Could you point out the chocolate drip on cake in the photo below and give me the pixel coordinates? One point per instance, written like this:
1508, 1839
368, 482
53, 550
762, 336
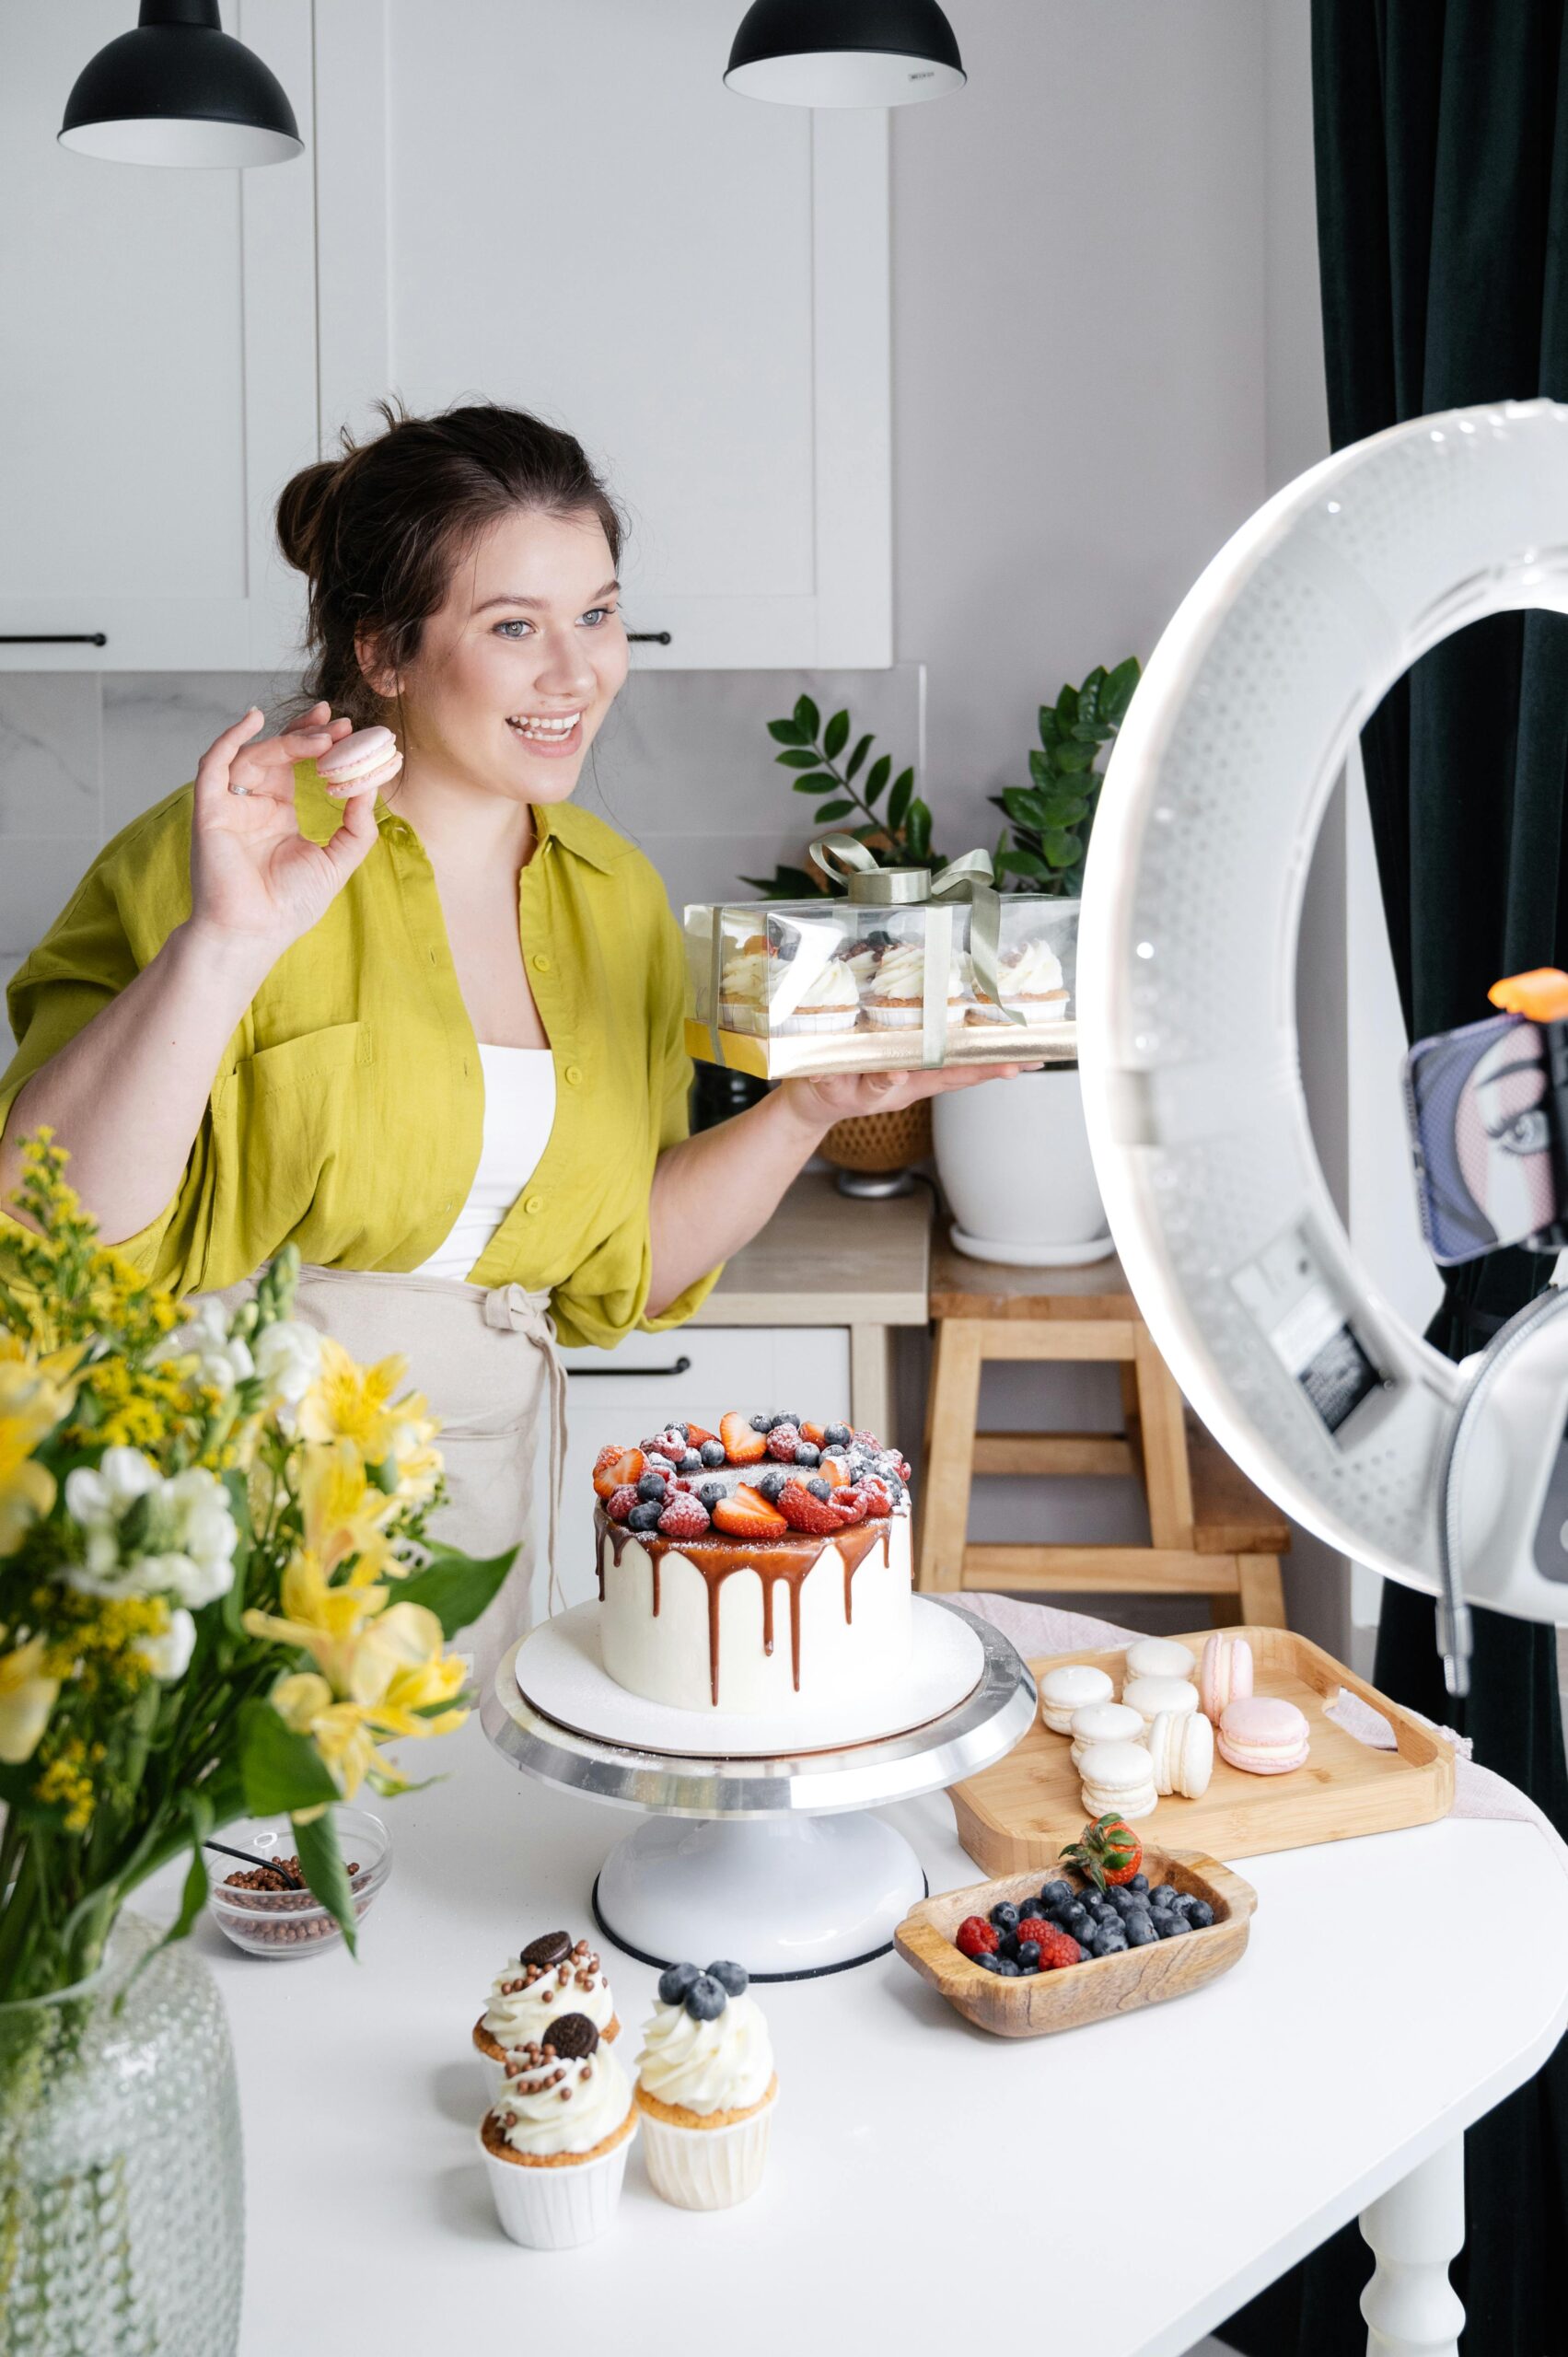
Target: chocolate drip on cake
787, 1560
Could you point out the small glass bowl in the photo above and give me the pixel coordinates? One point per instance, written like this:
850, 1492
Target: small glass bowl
291, 1923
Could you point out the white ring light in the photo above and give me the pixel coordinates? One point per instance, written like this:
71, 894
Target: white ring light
1187, 964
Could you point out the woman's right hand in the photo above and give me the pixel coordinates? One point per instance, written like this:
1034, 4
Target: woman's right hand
258, 883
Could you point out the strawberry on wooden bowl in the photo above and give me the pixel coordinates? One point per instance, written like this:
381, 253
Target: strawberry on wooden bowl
1083, 1975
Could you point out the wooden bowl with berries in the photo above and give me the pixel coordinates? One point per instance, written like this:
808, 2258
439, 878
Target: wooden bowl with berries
1115, 1927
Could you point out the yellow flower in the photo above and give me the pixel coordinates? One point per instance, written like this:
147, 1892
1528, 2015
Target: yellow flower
32, 1401
26, 1697
397, 1679
328, 1624
337, 1730
343, 1510
349, 1402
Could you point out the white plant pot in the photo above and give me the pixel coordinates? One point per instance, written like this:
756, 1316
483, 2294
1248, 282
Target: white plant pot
1014, 1157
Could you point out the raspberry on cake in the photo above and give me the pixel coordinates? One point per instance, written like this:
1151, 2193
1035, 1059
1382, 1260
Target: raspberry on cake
691, 1563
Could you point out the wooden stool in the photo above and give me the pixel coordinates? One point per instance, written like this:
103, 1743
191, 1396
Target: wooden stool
1211, 1533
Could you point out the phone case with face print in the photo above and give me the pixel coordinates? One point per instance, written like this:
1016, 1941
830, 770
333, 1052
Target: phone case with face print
1480, 1104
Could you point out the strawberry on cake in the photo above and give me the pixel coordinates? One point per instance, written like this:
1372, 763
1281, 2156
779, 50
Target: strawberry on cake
697, 1534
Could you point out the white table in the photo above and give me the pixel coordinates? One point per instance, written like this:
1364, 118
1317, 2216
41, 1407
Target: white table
925, 2178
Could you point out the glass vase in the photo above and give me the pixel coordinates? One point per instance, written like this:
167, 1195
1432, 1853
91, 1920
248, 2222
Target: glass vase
121, 2209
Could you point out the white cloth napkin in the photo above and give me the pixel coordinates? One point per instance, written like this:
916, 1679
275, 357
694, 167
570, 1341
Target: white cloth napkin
1037, 1629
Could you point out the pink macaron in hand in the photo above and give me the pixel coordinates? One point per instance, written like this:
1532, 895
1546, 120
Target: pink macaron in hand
1263, 1735
1226, 1676
362, 763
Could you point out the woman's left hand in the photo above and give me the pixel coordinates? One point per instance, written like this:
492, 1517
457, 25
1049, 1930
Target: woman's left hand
839, 1096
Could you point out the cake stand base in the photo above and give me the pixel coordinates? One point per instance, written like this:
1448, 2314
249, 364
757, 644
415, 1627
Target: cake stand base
789, 1897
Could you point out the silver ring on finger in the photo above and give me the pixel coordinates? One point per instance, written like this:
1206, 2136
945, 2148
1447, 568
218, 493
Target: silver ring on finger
240, 789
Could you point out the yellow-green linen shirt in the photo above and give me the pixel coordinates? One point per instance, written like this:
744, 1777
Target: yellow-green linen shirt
346, 1113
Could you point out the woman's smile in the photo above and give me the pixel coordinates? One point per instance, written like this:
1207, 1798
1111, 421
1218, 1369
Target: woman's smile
550, 736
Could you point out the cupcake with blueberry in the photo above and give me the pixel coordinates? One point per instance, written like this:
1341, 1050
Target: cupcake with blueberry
555, 2140
551, 1976
895, 996
706, 2089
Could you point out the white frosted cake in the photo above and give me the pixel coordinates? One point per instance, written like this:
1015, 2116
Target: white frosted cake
752, 1569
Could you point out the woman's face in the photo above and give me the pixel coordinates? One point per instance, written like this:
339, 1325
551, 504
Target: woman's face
529, 636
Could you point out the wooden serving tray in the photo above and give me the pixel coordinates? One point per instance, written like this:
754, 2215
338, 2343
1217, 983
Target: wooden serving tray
1101, 1985
1016, 1816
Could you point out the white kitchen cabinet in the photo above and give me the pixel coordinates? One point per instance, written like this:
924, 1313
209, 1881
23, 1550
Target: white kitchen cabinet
697, 1373
556, 203
157, 375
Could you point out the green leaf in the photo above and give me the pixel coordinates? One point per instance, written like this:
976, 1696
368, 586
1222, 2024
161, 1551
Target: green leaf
1069, 757
798, 756
877, 776
323, 1863
1090, 695
820, 782
835, 736
1062, 809
786, 732
784, 884
1020, 862
1039, 768
1060, 850
808, 719
1025, 808
1066, 710
900, 802
1117, 692
455, 1587
853, 765
1049, 730
1092, 732
282, 1772
833, 810
917, 825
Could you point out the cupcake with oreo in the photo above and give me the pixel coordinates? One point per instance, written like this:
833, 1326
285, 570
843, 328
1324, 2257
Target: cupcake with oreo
555, 2140
706, 2089
551, 1976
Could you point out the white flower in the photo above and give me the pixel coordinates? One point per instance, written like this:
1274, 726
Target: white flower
222, 1359
169, 1655
288, 1360
101, 1497
189, 1533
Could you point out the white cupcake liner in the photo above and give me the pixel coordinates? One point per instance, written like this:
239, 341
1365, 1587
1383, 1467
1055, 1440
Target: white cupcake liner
557, 2208
910, 1019
832, 1018
1034, 1010
735, 1018
707, 2168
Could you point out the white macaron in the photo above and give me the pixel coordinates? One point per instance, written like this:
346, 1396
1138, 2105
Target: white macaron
1182, 1753
1070, 1687
1160, 1658
1118, 1780
1104, 1723
1150, 1696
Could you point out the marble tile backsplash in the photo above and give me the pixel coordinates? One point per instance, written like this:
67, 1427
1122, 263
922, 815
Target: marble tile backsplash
683, 765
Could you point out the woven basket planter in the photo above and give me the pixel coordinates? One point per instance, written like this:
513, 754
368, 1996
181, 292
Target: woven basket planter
879, 1141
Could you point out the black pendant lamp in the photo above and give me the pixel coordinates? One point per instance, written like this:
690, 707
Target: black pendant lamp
845, 53
180, 90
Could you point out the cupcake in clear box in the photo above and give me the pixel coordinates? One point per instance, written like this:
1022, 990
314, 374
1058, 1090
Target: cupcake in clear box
895, 995
555, 2141
706, 2089
1030, 979
764, 989
551, 1976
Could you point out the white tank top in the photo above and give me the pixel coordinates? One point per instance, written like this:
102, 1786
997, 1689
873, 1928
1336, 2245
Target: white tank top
520, 1112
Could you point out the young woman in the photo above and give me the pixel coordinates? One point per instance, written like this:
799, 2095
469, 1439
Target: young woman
436, 1039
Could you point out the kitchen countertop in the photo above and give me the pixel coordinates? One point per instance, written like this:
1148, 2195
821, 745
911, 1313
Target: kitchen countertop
827, 1258
925, 2178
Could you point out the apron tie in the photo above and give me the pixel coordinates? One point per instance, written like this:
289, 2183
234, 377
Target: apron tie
515, 1309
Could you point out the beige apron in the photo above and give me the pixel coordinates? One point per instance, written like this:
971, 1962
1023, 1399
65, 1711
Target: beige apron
487, 1362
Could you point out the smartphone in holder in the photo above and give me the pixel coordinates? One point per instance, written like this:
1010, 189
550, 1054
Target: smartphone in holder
1479, 1105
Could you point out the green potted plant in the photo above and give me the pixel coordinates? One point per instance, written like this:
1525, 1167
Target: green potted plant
897, 835
1015, 1163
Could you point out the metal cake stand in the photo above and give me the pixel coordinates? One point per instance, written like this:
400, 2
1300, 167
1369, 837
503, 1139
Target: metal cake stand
775, 1862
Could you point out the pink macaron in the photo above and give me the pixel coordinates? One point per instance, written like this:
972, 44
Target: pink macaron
1226, 1676
369, 759
1263, 1735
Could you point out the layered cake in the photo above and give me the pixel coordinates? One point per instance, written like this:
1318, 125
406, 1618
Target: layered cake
761, 1567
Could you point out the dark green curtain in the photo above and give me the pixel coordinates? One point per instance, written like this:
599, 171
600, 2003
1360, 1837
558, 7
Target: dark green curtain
1442, 151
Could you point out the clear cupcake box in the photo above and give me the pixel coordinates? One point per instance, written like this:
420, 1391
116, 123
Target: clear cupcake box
825, 985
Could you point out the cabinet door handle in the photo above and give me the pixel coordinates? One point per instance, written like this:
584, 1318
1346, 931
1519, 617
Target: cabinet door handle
682, 1367
648, 637
53, 638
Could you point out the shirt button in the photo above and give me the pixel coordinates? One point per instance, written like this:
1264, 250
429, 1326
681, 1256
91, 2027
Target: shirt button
540, 962
533, 1204
574, 1075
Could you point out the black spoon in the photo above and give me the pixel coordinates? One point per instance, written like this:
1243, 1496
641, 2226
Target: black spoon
249, 1858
